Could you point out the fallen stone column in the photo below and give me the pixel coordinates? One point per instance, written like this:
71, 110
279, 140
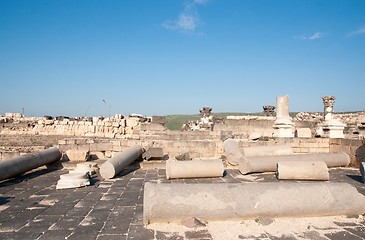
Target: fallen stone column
268, 164
194, 168
273, 150
302, 170
18, 165
223, 202
116, 164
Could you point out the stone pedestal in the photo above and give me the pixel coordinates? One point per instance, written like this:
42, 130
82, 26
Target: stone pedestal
283, 126
332, 128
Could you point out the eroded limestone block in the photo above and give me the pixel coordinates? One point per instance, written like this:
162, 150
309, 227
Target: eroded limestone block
303, 133
153, 153
76, 155
73, 180
88, 168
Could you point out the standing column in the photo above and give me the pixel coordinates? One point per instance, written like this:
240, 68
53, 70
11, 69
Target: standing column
328, 102
331, 127
283, 126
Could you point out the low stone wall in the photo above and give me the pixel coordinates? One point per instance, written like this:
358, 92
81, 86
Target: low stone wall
354, 147
197, 144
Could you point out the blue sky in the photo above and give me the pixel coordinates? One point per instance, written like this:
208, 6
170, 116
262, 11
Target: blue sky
88, 58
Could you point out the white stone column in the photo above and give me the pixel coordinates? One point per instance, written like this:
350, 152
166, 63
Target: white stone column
332, 128
283, 126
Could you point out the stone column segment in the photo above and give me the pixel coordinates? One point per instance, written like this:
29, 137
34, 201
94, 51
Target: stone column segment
273, 150
269, 163
175, 203
21, 164
116, 164
302, 170
194, 168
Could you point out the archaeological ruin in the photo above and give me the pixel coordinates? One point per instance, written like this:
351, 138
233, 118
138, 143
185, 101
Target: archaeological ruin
240, 167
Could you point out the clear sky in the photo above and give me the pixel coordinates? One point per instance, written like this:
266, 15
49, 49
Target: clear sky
159, 57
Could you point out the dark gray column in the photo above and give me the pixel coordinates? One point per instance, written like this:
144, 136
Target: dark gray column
21, 164
177, 202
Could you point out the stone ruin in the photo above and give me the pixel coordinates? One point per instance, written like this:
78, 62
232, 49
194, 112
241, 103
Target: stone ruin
283, 146
205, 123
269, 111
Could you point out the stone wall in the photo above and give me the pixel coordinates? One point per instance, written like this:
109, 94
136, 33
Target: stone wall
197, 144
354, 147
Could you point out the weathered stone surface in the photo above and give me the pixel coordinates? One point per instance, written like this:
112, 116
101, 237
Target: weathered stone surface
76, 155
153, 153
175, 202
19, 165
73, 180
117, 163
269, 163
302, 170
194, 168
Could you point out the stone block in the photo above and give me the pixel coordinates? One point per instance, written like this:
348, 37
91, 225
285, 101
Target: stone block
75, 155
97, 155
303, 133
117, 148
98, 147
153, 153
9, 154
62, 142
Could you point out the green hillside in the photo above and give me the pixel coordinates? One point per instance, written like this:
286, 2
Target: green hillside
175, 122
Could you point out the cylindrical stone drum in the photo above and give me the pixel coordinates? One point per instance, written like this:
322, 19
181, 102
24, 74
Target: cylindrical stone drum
268, 163
302, 170
194, 168
116, 164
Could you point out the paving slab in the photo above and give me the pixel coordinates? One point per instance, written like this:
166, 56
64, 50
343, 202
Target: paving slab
32, 208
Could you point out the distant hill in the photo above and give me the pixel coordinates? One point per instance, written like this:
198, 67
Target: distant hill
175, 122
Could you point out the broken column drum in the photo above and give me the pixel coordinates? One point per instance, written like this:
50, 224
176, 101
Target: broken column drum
224, 202
194, 168
116, 164
302, 170
269, 163
21, 164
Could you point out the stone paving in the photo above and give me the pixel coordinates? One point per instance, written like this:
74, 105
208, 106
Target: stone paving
31, 207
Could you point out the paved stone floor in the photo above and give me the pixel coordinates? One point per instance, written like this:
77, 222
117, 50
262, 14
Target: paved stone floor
31, 208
